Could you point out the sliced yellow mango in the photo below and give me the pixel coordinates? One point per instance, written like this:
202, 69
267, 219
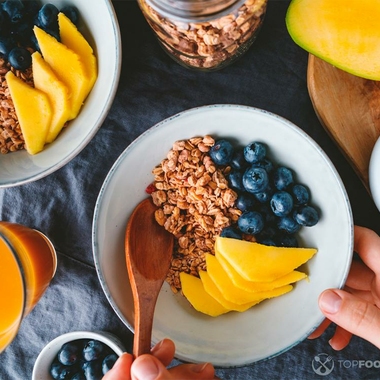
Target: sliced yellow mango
230, 291
252, 286
58, 93
193, 290
214, 292
33, 110
343, 33
68, 67
261, 263
74, 40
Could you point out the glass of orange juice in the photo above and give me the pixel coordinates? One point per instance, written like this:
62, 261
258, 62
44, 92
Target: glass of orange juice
27, 264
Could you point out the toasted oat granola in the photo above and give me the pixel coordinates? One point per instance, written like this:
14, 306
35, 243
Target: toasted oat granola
11, 138
195, 204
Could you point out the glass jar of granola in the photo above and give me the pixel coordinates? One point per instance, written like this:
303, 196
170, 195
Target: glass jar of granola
205, 34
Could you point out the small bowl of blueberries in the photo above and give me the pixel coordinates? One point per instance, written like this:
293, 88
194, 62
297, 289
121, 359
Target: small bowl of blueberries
78, 355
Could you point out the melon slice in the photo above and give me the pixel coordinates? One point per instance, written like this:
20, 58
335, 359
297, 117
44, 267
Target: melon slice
68, 67
46, 81
252, 286
33, 110
258, 262
74, 40
343, 33
214, 292
193, 290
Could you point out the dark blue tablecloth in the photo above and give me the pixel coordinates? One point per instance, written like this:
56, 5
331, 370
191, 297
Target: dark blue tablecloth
272, 76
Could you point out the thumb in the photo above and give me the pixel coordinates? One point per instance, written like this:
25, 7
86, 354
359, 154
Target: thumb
352, 314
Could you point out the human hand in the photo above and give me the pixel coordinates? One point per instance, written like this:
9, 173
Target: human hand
355, 310
153, 367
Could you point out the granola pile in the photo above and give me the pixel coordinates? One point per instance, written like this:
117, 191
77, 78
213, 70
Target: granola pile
195, 204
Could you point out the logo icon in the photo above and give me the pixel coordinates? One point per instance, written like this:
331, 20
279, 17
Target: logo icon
323, 364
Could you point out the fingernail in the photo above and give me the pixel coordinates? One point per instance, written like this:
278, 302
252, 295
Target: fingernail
145, 369
120, 359
157, 346
198, 368
330, 302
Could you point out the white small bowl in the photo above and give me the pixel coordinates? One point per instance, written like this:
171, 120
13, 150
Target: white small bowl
45, 358
374, 174
98, 23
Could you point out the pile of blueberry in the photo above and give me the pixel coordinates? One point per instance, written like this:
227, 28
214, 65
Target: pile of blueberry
82, 359
17, 19
274, 206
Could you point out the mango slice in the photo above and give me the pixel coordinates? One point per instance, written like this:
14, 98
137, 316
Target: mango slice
343, 33
33, 110
258, 262
251, 286
214, 292
46, 81
68, 67
74, 40
193, 290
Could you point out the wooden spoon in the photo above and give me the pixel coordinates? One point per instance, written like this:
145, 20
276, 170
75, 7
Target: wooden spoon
349, 109
148, 249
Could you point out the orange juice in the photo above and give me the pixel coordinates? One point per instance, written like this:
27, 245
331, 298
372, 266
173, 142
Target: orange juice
27, 265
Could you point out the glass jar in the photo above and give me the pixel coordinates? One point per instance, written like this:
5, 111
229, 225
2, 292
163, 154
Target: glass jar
205, 34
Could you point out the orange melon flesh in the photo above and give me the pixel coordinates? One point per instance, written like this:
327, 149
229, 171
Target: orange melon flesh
251, 286
258, 262
68, 67
74, 40
214, 292
193, 290
46, 81
33, 110
343, 33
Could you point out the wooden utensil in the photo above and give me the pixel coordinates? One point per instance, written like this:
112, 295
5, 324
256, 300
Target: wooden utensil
349, 109
148, 249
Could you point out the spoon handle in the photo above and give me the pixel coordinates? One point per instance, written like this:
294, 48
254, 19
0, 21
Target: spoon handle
144, 312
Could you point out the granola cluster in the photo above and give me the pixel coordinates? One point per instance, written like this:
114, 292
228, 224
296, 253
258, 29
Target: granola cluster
11, 138
195, 204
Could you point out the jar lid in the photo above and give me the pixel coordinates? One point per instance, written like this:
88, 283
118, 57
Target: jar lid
194, 10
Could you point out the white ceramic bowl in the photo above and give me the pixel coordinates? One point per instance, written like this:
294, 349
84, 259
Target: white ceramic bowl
233, 339
45, 358
100, 26
374, 174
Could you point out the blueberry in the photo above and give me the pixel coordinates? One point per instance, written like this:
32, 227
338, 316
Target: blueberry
268, 241
58, 371
14, 9
93, 370
93, 350
108, 362
238, 161
267, 213
72, 13
70, 353
255, 179
281, 203
266, 164
287, 240
301, 194
4, 21
231, 232
79, 376
251, 222
264, 196
245, 202
20, 58
255, 152
235, 180
288, 225
306, 216
48, 16
221, 152
7, 43
31, 7
282, 178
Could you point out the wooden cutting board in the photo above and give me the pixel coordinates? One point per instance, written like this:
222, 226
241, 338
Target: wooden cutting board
348, 108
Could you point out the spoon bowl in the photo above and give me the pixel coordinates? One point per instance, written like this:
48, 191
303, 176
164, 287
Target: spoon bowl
148, 251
